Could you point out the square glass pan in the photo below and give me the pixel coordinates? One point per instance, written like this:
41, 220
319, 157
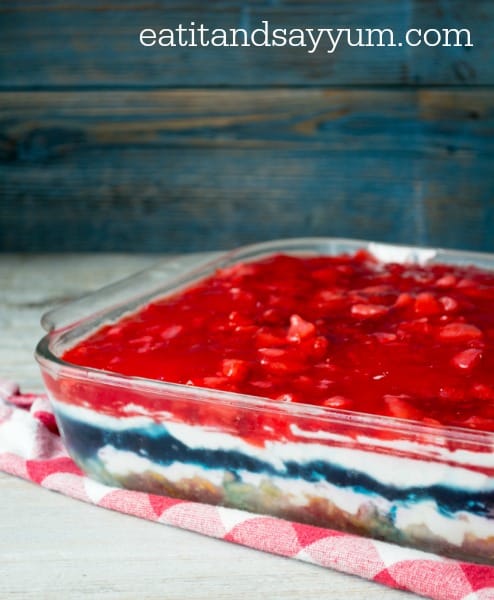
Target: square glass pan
402, 481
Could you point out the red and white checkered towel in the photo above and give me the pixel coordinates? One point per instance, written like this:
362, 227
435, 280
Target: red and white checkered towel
31, 448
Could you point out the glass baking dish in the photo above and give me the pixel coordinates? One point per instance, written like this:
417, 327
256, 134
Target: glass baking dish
403, 481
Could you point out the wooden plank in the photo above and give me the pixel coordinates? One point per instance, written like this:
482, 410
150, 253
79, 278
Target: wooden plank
39, 126
204, 170
236, 198
200, 170
453, 65
92, 44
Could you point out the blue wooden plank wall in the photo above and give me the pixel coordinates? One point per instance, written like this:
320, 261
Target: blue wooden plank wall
107, 145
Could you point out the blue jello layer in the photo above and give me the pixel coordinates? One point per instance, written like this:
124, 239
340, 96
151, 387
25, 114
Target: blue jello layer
155, 443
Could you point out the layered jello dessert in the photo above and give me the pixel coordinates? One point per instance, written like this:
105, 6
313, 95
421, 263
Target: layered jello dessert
340, 384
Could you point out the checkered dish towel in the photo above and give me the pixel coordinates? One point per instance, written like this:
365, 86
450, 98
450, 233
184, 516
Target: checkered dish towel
31, 448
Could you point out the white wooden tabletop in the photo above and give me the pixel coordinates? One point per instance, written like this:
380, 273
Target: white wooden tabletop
55, 547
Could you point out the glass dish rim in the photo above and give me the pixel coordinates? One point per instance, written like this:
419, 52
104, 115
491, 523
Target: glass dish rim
49, 361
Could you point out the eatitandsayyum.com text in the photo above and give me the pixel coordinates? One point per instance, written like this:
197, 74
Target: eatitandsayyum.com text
312, 39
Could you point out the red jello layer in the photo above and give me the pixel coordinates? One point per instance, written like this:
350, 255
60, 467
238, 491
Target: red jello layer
402, 340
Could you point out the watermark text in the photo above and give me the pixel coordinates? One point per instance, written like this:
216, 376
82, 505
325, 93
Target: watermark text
198, 35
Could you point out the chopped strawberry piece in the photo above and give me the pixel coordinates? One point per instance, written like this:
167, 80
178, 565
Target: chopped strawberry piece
377, 290
325, 384
115, 330
483, 391
327, 275
364, 255
450, 392
326, 369
466, 283
140, 341
245, 329
344, 269
244, 299
215, 382
399, 406
272, 316
417, 326
266, 338
237, 318
318, 347
171, 332
300, 329
330, 296
459, 332
330, 300
432, 422
449, 304
235, 369
236, 271
338, 402
262, 384
384, 337
480, 423
426, 304
405, 299
446, 281
272, 352
479, 291
313, 349
366, 311
281, 367
466, 360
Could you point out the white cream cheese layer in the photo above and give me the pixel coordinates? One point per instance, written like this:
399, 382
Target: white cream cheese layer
123, 463
453, 530
385, 468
